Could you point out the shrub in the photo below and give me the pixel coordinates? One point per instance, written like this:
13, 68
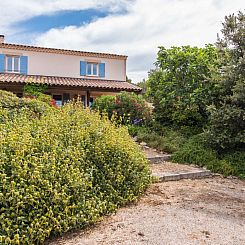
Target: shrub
63, 171
127, 108
34, 89
12, 103
227, 120
181, 85
226, 129
195, 151
167, 139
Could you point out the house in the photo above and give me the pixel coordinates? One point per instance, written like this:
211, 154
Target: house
68, 73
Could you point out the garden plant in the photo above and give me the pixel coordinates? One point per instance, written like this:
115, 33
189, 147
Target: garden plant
62, 168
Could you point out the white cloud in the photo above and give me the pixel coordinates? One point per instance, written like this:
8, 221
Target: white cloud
12, 11
138, 32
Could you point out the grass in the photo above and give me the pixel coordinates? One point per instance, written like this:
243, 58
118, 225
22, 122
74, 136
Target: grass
167, 140
188, 146
195, 151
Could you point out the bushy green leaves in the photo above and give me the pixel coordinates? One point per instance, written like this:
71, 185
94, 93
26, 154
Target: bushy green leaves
12, 103
127, 108
196, 151
227, 120
63, 170
180, 86
34, 89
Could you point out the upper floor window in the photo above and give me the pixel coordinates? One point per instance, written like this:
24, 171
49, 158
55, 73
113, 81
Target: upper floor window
13, 63
92, 69
95, 69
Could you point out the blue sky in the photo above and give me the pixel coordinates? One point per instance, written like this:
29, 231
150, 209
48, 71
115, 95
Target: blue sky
132, 27
60, 19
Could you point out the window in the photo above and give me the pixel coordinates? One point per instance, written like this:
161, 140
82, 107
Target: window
58, 99
91, 101
92, 69
13, 63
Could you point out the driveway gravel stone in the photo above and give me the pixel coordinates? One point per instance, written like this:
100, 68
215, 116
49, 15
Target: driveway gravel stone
203, 211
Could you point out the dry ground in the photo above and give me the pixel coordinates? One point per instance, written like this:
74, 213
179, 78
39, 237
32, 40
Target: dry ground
203, 211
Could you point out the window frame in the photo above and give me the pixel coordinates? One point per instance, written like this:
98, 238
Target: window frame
12, 57
92, 69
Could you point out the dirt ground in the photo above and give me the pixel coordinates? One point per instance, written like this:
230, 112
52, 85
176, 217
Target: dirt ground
203, 211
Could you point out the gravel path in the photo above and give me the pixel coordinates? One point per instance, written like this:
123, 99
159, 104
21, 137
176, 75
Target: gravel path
204, 211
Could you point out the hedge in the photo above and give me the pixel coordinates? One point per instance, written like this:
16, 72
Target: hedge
126, 108
63, 170
12, 103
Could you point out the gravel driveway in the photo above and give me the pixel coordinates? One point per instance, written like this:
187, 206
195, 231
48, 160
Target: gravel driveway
203, 211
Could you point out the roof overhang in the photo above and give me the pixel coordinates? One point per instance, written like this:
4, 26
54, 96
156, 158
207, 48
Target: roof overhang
68, 82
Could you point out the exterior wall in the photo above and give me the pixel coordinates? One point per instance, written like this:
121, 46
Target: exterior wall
50, 64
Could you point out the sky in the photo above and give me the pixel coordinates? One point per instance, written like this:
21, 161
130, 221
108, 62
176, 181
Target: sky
135, 28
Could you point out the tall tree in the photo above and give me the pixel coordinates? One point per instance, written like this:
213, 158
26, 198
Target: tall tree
180, 86
227, 120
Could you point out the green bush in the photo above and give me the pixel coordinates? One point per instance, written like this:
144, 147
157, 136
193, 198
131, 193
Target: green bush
34, 89
227, 118
64, 170
12, 103
195, 151
237, 162
126, 108
167, 140
226, 128
181, 86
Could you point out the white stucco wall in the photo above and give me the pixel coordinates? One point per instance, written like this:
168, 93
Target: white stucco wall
50, 64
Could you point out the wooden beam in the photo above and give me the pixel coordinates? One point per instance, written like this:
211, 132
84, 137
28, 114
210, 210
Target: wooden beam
87, 98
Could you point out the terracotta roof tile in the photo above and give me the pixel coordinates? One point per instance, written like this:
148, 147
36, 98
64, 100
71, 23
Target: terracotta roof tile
61, 51
68, 81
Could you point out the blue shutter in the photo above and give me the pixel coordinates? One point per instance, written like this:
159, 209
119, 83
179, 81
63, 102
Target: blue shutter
102, 69
83, 65
9, 63
23, 64
2, 62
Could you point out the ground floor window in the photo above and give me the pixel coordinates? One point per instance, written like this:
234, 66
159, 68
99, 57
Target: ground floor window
82, 98
58, 99
66, 97
61, 99
91, 100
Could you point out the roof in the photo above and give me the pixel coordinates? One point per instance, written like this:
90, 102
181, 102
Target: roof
61, 51
71, 82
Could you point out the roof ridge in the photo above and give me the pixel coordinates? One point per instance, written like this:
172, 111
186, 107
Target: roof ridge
62, 51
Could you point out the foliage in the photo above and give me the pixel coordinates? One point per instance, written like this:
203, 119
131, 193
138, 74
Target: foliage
195, 151
180, 86
127, 108
63, 171
167, 140
105, 103
144, 85
12, 103
227, 120
34, 89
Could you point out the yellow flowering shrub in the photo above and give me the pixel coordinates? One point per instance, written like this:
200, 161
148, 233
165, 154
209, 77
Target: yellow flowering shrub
63, 170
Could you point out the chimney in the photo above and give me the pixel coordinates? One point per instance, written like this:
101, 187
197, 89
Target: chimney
1, 39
